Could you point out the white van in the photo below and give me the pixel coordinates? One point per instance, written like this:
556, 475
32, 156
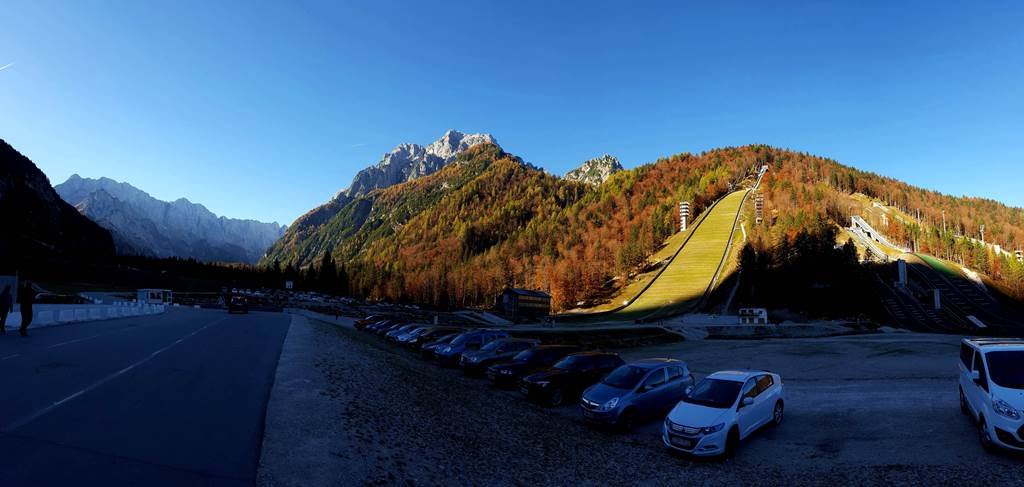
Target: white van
992, 389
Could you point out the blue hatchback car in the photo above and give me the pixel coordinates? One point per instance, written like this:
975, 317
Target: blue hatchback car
636, 391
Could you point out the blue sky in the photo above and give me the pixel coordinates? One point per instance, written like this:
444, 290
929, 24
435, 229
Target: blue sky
265, 110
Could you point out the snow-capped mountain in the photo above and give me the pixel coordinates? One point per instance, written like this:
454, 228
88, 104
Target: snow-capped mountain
595, 171
141, 224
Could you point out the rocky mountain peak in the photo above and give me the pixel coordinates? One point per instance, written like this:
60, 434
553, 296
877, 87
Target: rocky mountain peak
595, 171
410, 161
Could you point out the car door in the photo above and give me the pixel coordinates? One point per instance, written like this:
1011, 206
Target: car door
965, 367
677, 383
979, 391
746, 416
649, 390
765, 400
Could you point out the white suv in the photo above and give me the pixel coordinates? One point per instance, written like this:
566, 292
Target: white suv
992, 389
723, 409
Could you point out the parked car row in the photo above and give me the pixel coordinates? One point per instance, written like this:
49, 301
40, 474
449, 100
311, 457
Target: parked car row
708, 418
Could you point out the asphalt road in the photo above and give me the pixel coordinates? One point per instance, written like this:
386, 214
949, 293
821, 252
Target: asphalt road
173, 399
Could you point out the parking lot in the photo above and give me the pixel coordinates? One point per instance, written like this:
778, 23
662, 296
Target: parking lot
876, 409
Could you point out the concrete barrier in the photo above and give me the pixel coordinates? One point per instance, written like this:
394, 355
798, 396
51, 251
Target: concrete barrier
51, 315
43, 318
13, 320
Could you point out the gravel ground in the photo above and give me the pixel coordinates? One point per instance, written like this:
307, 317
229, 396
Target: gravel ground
348, 408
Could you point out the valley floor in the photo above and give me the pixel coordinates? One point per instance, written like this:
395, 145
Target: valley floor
880, 409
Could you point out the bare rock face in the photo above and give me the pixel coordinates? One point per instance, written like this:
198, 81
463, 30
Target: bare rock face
141, 224
595, 171
404, 163
411, 161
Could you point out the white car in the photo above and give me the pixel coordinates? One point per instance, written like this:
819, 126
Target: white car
992, 389
723, 409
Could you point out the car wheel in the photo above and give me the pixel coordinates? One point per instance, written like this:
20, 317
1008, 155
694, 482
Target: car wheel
963, 404
555, 399
627, 420
778, 413
985, 437
732, 442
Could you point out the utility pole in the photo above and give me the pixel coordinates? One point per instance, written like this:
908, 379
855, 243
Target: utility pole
943, 222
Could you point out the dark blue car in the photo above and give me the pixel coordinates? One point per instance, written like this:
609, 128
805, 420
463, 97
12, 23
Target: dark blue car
449, 355
636, 391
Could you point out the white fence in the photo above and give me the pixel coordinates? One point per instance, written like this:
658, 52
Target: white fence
59, 314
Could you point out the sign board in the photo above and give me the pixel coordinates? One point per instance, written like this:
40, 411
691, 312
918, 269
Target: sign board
289, 284
759, 208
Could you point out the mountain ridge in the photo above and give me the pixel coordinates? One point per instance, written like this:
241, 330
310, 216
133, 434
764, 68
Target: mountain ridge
144, 225
39, 227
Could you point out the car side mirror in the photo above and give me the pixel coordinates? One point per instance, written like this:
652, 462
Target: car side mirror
747, 401
975, 376
689, 389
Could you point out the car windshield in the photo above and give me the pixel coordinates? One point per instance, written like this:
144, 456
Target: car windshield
446, 338
571, 362
492, 346
525, 356
1006, 368
714, 393
625, 377
462, 339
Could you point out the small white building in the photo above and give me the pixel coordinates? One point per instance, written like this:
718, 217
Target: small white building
753, 316
155, 296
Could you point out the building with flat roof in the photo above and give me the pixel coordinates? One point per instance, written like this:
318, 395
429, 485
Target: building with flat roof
523, 304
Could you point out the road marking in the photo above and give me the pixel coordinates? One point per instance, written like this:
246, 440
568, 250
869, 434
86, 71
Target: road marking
28, 419
69, 342
10, 356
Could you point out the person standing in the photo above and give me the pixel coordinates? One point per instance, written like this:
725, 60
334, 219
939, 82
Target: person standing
6, 306
27, 297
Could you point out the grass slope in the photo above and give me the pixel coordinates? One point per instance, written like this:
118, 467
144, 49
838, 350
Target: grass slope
688, 276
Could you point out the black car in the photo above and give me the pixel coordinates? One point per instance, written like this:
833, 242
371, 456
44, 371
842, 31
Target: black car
385, 329
238, 304
567, 379
393, 334
502, 350
366, 322
373, 327
507, 374
427, 350
429, 336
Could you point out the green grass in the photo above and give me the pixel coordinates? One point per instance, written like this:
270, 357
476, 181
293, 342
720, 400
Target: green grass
688, 276
939, 265
639, 282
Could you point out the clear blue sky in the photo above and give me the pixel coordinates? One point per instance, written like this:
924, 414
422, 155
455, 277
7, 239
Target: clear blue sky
266, 110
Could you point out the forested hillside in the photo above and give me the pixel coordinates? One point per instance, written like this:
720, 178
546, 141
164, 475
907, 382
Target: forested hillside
456, 237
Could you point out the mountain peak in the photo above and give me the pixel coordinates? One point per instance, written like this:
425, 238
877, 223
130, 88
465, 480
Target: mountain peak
143, 224
595, 171
409, 161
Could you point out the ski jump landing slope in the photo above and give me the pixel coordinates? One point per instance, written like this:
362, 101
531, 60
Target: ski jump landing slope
693, 270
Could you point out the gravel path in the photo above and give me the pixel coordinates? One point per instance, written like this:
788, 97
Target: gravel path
349, 409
